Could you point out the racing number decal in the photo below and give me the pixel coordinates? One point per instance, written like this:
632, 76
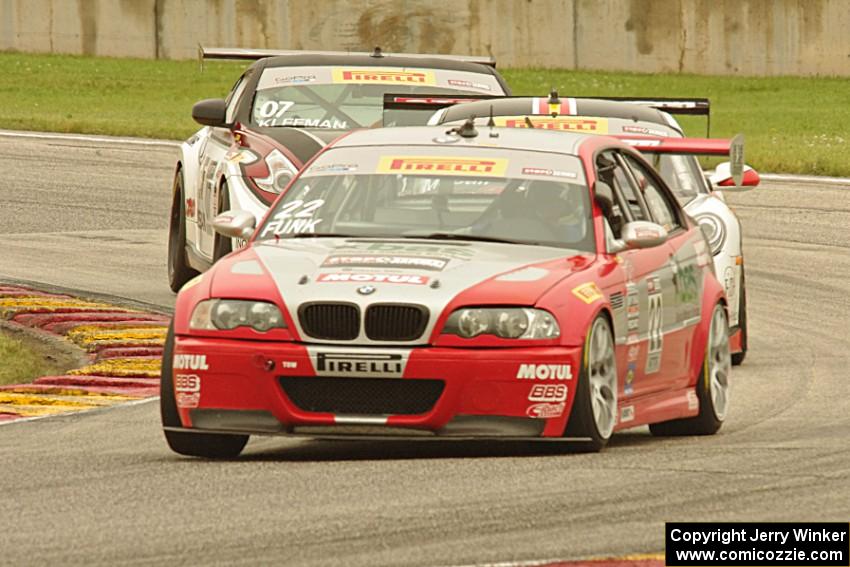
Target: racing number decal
271, 111
288, 221
656, 324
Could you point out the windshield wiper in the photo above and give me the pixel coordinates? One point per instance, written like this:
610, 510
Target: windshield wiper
471, 237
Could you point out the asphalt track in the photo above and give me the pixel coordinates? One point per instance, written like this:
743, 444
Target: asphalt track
102, 488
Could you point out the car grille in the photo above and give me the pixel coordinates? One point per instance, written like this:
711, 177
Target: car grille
330, 321
383, 321
387, 322
363, 396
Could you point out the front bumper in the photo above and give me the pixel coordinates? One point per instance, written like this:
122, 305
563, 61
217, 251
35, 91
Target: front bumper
231, 386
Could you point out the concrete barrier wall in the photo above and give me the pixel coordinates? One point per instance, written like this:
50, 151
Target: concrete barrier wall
750, 37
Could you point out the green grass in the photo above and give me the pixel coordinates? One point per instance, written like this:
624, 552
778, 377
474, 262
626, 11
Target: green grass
22, 360
791, 124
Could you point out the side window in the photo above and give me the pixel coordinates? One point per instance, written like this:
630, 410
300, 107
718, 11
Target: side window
233, 98
612, 171
663, 211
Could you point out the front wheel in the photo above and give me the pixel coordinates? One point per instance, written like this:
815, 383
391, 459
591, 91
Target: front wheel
179, 271
594, 412
712, 386
209, 445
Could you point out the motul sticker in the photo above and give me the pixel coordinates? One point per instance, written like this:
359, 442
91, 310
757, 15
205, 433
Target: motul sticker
544, 372
548, 393
545, 411
430, 165
373, 278
383, 76
588, 292
190, 362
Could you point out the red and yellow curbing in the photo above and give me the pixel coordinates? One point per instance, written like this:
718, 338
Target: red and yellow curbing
124, 348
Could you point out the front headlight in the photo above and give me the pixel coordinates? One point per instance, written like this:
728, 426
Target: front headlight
504, 322
714, 229
228, 314
281, 172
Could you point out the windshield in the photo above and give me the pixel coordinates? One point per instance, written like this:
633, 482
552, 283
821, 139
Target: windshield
469, 194
343, 98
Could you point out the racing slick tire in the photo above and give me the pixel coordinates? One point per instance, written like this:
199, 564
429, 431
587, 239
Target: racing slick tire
712, 386
223, 245
210, 445
594, 412
738, 357
179, 271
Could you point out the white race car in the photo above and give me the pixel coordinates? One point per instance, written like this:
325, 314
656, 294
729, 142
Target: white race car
631, 119
282, 111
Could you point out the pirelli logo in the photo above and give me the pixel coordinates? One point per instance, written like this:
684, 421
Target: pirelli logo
564, 123
383, 76
428, 165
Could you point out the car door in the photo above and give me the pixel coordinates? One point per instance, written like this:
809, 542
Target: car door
687, 258
647, 292
211, 156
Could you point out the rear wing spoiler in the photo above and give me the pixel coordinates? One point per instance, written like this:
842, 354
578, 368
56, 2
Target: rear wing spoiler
681, 106
734, 148
425, 103
246, 54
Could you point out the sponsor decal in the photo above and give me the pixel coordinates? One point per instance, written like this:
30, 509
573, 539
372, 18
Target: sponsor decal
190, 208
348, 363
647, 233
629, 387
187, 390
633, 353
548, 393
295, 79
545, 410
334, 168
190, 362
452, 252
298, 122
289, 364
588, 292
693, 401
372, 260
468, 85
373, 278
569, 124
642, 143
630, 129
544, 372
632, 338
548, 172
627, 414
729, 282
656, 324
429, 165
685, 281
383, 76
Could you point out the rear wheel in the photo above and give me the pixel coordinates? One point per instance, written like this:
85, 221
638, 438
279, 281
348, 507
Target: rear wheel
712, 387
223, 244
179, 271
210, 445
594, 412
738, 357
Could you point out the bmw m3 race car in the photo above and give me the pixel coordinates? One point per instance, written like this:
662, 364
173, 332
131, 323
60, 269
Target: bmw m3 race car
476, 283
283, 109
633, 118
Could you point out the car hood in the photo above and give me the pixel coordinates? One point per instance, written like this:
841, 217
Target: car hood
435, 274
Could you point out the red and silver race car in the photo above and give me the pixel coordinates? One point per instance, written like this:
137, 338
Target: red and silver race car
282, 110
470, 283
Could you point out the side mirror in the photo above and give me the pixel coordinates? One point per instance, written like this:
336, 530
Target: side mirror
235, 224
210, 112
643, 234
722, 177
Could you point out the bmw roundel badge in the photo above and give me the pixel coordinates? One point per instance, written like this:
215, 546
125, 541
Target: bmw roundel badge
366, 289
